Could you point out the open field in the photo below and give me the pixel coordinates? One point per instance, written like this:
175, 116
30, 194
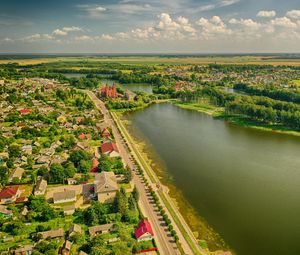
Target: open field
244, 60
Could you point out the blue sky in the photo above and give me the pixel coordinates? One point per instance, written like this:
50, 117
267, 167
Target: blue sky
125, 26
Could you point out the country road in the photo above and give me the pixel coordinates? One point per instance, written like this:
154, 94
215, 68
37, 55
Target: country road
164, 241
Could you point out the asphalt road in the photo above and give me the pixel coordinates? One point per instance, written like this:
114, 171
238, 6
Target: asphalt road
164, 241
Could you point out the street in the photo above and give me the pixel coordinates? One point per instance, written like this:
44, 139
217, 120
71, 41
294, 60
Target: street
164, 241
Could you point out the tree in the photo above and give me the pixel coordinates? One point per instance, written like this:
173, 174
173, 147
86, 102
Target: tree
3, 175
84, 166
122, 202
70, 169
127, 175
77, 156
57, 173
43, 210
14, 151
136, 194
42, 171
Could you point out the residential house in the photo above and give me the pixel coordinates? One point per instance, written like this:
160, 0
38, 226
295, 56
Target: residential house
84, 145
4, 212
52, 233
105, 133
75, 228
9, 194
110, 149
27, 149
24, 211
69, 209
40, 187
106, 186
66, 248
64, 196
16, 174
95, 164
102, 229
71, 181
144, 231
24, 250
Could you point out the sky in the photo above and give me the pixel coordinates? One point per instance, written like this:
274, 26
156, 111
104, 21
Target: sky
149, 26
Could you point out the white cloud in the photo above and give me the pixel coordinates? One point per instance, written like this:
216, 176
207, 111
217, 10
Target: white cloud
283, 22
213, 26
7, 40
294, 14
107, 37
37, 37
228, 2
248, 23
72, 29
266, 14
124, 7
84, 38
59, 32
65, 30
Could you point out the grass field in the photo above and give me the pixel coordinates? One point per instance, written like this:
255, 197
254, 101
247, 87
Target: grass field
154, 60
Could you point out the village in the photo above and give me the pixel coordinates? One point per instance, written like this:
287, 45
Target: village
64, 185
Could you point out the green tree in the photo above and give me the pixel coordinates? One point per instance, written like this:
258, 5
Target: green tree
14, 151
57, 173
70, 169
84, 166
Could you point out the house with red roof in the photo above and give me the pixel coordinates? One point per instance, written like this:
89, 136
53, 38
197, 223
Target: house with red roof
24, 111
144, 231
85, 136
9, 194
95, 164
110, 149
105, 133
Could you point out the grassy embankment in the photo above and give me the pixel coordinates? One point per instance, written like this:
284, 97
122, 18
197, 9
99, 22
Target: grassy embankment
219, 112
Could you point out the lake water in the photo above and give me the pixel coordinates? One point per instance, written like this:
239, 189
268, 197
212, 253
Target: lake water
244, 182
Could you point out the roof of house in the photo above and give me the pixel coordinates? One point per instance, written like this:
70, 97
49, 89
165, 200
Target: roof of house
75, 228
17, 173
105, 182
41, 185
67, 245
143, 227
104, 227
64, 195
8, 192
109, 147
4, 210
52, 233
95, 164
24, 110
69, 208
105, 132
24, 248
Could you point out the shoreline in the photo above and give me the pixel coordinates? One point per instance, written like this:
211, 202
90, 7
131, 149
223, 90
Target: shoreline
218, 112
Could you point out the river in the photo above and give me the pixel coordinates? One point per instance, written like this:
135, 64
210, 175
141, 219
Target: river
244, 182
